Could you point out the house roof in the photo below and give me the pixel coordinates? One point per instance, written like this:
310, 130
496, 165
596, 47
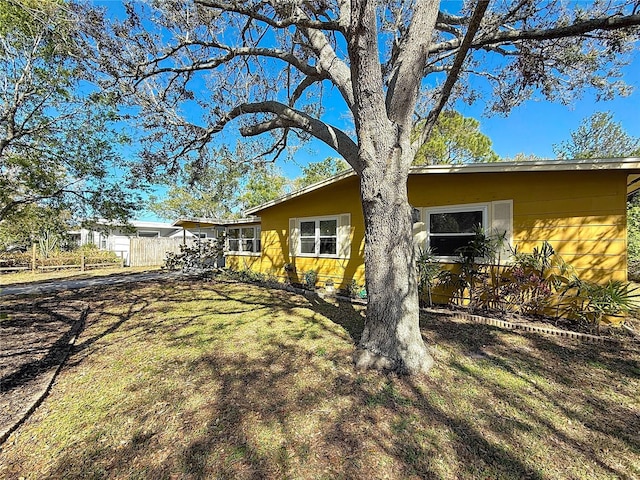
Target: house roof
631, 164
146, 224
134, 223
195, 222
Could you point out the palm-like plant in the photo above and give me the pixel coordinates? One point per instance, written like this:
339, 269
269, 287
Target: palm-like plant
593, 303
428, 271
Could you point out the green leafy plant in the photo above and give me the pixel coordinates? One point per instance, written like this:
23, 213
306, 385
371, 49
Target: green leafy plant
48, 243
477, 263
428, 272
524, 291
633, 239
352, 288
290, 270
592, 302
310, 279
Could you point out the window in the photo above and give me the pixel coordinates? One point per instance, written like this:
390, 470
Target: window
103, 241
243, 239
148, 234
328, 237
450, 228
319, 236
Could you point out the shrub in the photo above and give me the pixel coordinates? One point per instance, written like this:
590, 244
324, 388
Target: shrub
476, 274
352, 289
633, 229
428, 271
202, 254
8, 260
524, 291
634, 270
533, 282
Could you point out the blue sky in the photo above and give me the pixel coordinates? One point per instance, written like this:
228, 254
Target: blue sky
536, 125
532, 128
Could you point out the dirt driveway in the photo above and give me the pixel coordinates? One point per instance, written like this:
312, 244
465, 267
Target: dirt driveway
35, 337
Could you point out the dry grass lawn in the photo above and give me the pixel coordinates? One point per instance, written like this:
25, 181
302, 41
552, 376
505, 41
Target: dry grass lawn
28, 277
179, 380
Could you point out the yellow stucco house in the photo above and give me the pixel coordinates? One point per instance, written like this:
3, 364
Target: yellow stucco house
577, 206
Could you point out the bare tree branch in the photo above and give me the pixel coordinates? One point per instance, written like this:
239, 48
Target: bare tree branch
454, 72
290, 118
514, 36
580, 28
297, 18
448, 19
407, 70
232, 53
302, 86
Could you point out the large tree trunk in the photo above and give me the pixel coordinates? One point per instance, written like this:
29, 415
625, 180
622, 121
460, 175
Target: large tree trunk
391, 339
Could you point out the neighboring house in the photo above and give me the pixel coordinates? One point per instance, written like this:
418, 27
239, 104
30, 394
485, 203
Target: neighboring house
578, 206
117, 238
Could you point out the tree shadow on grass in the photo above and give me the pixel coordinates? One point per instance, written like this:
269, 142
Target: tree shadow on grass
592, 385
292, 406
35, 338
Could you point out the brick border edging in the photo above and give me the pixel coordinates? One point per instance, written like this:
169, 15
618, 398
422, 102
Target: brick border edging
53, 373
586, 337
494, 322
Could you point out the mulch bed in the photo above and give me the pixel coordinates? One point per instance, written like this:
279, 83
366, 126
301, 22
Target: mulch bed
35, 336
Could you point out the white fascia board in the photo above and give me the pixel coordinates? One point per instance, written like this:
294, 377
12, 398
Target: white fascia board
631, 163
210, 222
213, 222
145, 224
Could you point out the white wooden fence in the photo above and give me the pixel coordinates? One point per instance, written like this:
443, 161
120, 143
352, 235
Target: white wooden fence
147, 252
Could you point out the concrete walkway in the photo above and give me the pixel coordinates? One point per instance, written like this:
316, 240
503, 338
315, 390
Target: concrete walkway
62, 284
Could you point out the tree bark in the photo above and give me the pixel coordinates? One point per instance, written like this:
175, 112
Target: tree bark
391, 339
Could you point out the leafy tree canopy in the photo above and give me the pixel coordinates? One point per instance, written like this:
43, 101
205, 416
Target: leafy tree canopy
598, 136
523, 157
263, 184
33, 223
220, 189
454, 139
209, 191
315, 172
56, 137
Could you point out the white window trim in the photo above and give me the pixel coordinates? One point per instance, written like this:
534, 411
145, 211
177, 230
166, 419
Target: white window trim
487, 209
317, 220
257, 231
103, 241
344, 232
